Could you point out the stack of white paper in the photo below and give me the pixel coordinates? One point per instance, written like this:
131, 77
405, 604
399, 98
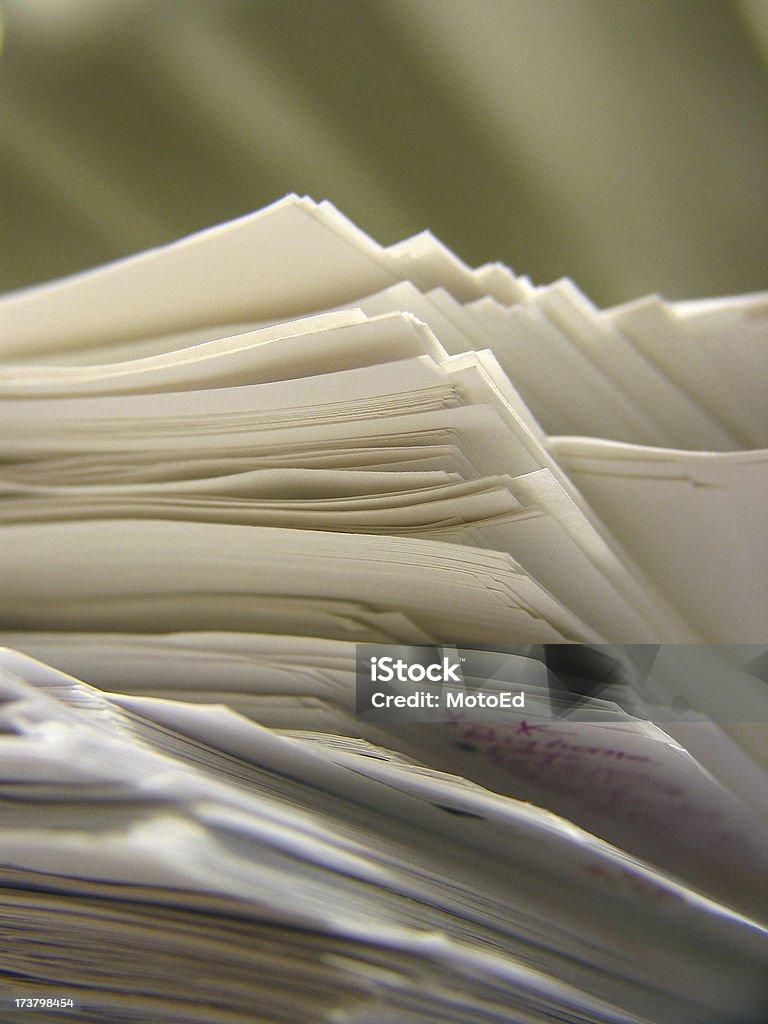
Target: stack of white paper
197, 871
229, 462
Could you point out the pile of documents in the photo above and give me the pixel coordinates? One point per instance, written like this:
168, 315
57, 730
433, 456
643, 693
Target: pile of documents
230, 463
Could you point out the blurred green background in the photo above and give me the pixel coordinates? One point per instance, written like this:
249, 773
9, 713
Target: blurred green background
621, 142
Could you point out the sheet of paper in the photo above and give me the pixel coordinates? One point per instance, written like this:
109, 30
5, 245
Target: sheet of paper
701, 528
134, 561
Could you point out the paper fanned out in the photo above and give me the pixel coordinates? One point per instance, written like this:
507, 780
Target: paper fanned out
226, 464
